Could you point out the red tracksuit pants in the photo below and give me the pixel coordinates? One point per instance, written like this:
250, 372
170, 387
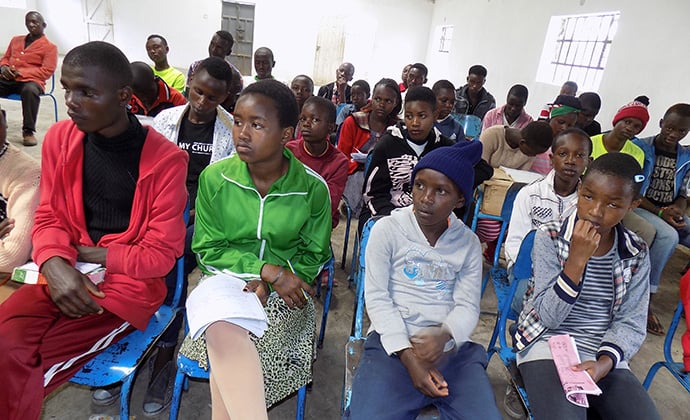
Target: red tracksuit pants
40, 348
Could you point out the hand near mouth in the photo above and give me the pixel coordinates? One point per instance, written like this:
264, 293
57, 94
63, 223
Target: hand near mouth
585, 239
583, 244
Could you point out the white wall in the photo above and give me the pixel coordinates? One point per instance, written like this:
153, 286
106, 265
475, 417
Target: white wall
12, 22
649, 53
66, 25
381, 35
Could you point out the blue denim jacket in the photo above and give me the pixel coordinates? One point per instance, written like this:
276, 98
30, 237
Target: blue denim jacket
680, 185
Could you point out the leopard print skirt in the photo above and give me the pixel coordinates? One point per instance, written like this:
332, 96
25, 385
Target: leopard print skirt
286, 349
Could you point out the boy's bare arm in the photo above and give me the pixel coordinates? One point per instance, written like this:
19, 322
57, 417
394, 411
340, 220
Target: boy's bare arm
69, 289
92, 254
672, 214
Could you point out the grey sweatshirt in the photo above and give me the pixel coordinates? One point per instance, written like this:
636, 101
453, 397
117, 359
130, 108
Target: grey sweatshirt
410, 285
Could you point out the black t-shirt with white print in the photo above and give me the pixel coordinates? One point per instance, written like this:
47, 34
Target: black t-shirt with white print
197, 141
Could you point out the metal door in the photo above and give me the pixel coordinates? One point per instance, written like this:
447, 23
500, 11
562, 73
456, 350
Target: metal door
330, 46
98, 15
238, 19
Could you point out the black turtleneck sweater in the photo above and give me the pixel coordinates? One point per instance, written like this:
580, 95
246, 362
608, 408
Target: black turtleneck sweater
111, 171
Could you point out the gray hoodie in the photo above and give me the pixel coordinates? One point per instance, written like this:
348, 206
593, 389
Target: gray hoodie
410, 285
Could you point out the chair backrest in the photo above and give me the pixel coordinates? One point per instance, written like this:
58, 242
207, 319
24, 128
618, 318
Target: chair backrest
368, 162
668, 341
471, 124
359, 302
507, 208
179, 267
522, 271
52, 85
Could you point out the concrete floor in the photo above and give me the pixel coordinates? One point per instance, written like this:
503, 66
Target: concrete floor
323, 402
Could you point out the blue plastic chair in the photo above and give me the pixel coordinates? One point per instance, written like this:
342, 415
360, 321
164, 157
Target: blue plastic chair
355, 250
120, 361
17, 97
471, 125
187, 368
355, 344
330, 269
674, 367
348, 223
505, 292
496, 271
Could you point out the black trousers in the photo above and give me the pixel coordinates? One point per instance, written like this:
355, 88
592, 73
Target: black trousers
29, 91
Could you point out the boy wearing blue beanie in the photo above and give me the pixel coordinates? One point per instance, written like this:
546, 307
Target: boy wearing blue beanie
424, 305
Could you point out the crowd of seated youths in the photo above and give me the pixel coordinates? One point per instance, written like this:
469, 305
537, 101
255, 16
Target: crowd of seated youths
241, 156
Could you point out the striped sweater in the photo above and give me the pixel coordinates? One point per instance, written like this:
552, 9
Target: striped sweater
551, 294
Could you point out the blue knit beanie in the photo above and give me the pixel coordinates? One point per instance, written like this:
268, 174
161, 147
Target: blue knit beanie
456, 162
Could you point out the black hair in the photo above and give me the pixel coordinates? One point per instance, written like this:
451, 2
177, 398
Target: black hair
309, 79
576, 131
217, 68
282, 97
364, 85
422, 94
442, 84
621, 165
267, 50
143, 76
682, 110
519, 91
325, 105
33, 12
478, 69
106, 57
571, 84
348, 65
165, 41
570, 101
590, 100
393, 85
226, 36
538, 135
642, 98
422, 67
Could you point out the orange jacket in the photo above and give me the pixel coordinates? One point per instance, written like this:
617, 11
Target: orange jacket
36, 63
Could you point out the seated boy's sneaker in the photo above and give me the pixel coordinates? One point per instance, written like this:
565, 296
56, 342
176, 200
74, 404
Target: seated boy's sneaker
159, 392
29, 139
512, 404
105, 396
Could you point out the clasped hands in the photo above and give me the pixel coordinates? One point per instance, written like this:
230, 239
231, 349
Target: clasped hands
288, 285
8, 73
420, 361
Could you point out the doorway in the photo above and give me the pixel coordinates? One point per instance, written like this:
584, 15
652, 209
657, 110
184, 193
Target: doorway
238, 19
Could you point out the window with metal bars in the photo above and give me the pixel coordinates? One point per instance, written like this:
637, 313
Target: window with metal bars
577, 48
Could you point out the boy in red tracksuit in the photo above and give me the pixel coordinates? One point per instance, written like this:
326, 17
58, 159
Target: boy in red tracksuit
112, 192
